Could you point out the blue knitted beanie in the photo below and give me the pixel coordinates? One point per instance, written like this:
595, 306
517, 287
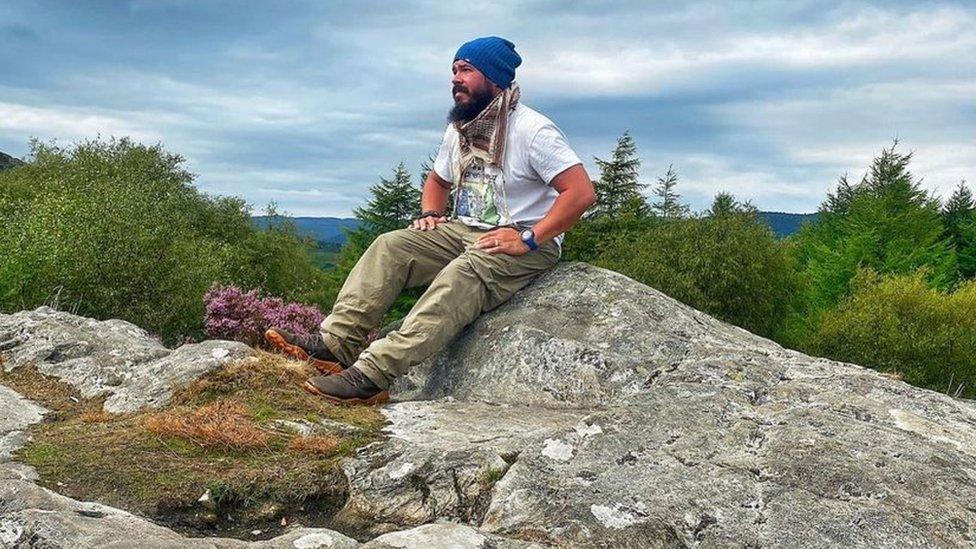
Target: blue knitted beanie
495, 57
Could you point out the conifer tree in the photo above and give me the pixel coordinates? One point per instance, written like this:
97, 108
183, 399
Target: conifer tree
668, 206
887, 222
725, 204
619, 185
393, 204
838, 201
959, 218
958, 209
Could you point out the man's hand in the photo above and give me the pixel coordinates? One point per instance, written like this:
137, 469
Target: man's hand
502, 241
427, 223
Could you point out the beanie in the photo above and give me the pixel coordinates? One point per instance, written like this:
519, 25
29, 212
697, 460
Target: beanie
495, 57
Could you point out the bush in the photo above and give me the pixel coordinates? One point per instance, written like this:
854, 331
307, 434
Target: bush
244, 316
730, 266
114, 229
899, 323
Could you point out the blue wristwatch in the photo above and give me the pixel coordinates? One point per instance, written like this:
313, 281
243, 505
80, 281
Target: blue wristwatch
529, 238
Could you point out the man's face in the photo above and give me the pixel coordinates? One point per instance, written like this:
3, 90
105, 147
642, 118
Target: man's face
471, 90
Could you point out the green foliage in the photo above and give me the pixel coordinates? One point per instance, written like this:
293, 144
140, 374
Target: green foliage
730, 266
618, 189
886, 222
900, 324
116, 229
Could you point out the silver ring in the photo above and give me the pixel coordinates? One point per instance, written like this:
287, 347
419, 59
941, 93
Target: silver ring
496, 242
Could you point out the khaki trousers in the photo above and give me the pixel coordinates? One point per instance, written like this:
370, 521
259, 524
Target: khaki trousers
464, 282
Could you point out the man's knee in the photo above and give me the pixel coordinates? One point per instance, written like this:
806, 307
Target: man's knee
392, 242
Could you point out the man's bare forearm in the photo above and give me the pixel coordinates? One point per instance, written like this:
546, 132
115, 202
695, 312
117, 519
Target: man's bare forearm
434, 195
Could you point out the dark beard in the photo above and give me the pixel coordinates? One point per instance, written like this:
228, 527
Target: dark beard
461, 112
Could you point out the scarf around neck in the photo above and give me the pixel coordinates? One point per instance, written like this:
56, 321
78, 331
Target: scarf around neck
484, 135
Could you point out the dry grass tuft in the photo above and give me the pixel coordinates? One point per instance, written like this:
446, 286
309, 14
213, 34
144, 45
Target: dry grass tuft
49, 391
272, 381
321, 444
94, 415
221, 424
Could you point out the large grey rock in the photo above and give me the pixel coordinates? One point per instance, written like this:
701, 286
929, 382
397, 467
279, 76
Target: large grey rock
112, 357
32, 516
579, 336
675, 429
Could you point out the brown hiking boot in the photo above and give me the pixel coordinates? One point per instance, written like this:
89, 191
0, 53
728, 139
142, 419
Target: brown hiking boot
308, 347
350, 387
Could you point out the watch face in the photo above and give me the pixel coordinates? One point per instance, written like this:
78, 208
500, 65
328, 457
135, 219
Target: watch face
526, 234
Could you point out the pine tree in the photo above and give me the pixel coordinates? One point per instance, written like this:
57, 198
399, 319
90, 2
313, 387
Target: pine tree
669, 207
618, 185
840, 200
958, 209
959, 218
887, 222
725, 205
393, 204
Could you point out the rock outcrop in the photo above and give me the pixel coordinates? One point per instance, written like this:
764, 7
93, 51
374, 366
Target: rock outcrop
113, 358
589, 410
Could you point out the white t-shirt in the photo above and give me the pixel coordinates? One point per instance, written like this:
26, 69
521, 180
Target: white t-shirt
536, 151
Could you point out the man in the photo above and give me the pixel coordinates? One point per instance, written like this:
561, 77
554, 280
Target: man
518, 187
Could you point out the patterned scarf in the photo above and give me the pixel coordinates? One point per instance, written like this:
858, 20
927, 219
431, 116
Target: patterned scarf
484, 135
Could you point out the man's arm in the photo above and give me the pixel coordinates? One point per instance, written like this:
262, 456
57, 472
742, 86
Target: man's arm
576, 194
433, 197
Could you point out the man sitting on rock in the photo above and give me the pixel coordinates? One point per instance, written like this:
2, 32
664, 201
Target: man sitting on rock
518, 187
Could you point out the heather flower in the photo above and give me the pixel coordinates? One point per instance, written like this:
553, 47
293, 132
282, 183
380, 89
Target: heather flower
234, 314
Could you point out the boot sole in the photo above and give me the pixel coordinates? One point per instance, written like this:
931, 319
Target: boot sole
378, 398
294, 351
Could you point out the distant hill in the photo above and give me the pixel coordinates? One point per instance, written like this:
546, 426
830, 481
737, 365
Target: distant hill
327, 230
784, 223
7, 161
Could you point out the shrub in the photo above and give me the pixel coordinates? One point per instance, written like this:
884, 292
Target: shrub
730, 266
900, 324
244, 316
114, 229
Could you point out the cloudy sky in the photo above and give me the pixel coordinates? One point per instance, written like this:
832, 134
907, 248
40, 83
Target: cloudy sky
309, 103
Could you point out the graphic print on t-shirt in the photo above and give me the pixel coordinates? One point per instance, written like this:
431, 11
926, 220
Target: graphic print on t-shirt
477, 193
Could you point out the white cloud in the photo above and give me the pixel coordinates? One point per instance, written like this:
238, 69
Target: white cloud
682, 58
71, 123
